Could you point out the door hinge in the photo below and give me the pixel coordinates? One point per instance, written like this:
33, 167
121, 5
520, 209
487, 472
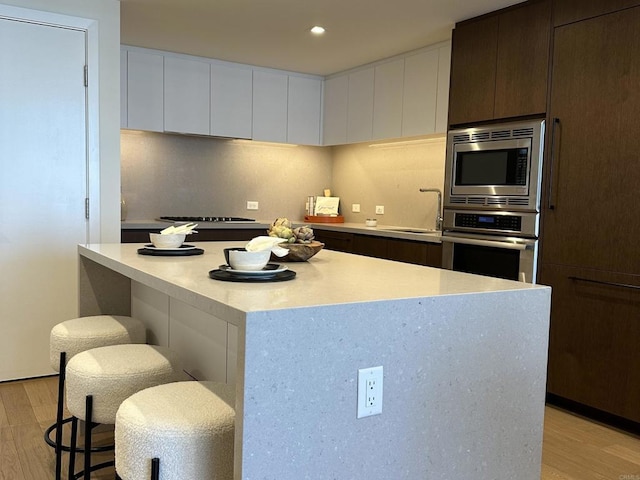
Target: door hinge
86, 75
86, 208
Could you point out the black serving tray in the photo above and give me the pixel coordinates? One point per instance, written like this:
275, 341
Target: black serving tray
188, 251
218, 274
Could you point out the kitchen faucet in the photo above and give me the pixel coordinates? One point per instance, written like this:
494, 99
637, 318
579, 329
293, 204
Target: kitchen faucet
439, 209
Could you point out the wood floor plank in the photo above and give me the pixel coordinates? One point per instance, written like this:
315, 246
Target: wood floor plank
37, 459
16, 403
10, 468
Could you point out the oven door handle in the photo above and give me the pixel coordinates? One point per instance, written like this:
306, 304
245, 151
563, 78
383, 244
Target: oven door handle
486, 243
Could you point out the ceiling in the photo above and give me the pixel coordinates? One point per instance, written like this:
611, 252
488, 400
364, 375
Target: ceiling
275, 33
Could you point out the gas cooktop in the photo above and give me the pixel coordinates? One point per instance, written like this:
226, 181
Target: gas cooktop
206, 219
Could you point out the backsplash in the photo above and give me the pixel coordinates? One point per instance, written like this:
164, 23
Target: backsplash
164, 174
390, 175
176, 175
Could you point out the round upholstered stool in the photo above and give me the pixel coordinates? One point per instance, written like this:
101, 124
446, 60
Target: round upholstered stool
73, 336
179, 430
100, 379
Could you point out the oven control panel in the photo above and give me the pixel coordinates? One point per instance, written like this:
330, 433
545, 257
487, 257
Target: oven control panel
514, 224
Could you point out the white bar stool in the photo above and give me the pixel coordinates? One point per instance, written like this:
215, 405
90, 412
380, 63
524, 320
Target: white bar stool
100, 379
76, 335
181, 430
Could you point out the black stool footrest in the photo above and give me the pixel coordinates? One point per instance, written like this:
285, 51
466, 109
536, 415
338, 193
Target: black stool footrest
66, 448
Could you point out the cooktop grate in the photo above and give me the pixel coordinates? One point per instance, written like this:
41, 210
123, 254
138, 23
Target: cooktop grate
207, 219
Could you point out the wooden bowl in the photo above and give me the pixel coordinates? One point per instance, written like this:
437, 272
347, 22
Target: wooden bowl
298, 252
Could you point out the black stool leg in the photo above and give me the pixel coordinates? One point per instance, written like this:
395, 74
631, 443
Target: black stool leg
87, 437
155, 469
61, 378
72, 448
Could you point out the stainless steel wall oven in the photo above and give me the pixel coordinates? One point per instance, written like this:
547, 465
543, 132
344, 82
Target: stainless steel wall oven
492, 195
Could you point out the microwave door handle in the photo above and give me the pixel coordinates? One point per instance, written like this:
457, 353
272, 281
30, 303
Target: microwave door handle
486, 243
551, 203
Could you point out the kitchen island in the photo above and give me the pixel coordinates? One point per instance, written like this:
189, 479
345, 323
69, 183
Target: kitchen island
464, 360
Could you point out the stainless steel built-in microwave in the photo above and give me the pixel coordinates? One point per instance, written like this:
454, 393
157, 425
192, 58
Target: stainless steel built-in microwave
494, 167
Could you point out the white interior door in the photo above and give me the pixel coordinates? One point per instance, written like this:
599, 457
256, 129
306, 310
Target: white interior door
43, 186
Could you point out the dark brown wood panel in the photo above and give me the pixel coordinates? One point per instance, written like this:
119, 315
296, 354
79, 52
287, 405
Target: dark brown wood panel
594, 221
523, 60
595, 332
208, 235
434, 255
407, 251
473, 71
338, 241
371, 246
567, 11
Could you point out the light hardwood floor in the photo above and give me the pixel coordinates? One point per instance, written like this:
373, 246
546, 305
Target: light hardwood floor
573, 449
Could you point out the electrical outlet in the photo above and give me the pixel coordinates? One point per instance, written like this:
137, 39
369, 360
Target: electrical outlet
252, 205
369, 391
355, 207
379, 209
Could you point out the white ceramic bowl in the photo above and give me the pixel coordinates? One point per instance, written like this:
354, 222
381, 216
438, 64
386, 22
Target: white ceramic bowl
240, 259
172, 240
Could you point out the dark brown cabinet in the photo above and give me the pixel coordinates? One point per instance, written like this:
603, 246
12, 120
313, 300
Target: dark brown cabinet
590, 222
568, 11
593, 344
591, 217
499, 64
203, 235
407, 251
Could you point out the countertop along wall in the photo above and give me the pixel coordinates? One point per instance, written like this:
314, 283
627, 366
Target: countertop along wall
164, 174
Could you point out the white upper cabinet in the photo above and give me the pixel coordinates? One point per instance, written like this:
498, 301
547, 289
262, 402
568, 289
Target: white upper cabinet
402, 96
304, 110
399, 97
123, 88
387, 100
336, 93
231, 100
145, 91
444, 72
270, 95
419, 100
186, 95
360, 106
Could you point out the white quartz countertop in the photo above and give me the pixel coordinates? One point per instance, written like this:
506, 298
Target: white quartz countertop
326, 279
387, 231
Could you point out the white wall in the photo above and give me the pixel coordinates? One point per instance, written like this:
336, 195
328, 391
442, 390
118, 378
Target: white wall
106, 104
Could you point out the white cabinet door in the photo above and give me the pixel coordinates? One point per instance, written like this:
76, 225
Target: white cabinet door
304, 110
360, 106
387, 100
442, 102
201, 341
420, 93
123, 88
231, 101
270, 106
145, 91
336, 94
186, 95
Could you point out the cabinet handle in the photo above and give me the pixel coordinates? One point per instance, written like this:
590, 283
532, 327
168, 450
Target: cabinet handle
610, 284
550, 198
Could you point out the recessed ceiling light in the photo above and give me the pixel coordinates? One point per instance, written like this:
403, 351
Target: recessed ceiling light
317, 30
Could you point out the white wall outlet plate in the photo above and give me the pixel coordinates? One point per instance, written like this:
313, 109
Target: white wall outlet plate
369, 391
355, 207
252, 205
379, 209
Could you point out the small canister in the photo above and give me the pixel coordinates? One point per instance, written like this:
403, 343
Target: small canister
371, 222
